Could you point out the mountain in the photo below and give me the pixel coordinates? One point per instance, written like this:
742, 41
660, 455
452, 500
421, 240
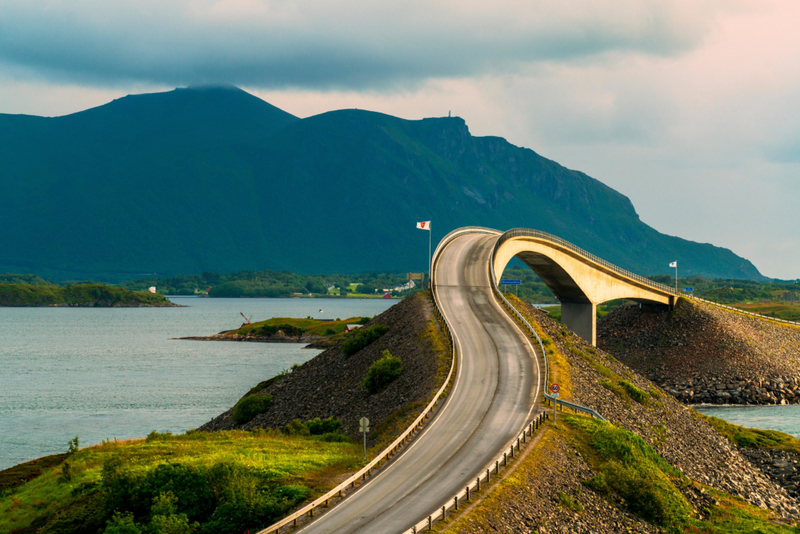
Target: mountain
214, 179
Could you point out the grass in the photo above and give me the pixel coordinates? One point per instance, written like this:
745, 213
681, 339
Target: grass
626, 467
778, 310
270, 459
753, 437
308, 326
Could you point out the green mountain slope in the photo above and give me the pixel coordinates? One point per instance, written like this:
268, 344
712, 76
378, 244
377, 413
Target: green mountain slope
214, 179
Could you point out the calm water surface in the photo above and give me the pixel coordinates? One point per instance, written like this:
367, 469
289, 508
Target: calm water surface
783, 418
105, 373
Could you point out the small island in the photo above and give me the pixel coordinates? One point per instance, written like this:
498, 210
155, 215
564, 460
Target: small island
78, 295
319, 333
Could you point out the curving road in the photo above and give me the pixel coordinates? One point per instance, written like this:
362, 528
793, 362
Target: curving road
496, 384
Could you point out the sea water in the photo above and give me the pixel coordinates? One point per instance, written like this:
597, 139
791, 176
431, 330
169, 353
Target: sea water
115, 373
783, 418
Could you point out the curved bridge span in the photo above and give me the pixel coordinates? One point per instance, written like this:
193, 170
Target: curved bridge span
578, 278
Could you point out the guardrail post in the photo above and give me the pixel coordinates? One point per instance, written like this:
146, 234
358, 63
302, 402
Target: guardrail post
478, 481
444, 513
414, 529
467, 493
455, 503
496, 466
430, 523
311, 512
505, 459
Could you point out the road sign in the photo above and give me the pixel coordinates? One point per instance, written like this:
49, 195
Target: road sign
555, 388
688, 289
510, 282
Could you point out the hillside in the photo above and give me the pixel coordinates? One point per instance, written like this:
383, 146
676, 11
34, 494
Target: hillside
214, 179
78, 295
659, 466
703, 353
330, 385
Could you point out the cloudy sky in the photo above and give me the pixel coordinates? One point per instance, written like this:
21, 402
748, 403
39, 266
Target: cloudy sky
690, 108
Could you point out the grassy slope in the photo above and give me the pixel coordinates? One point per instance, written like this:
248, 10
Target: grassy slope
78, 295
272, 459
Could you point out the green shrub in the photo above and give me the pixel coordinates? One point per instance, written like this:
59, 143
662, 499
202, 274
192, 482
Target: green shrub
330, 332
122, 523
296, 428
362, 337
317, 426
382, 372
249, 407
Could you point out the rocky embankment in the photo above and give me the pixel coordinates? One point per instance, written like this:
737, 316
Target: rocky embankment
548, 494
329, 385
700, 353
314, 341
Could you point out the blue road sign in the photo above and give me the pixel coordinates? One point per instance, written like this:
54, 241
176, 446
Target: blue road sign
511, 282
688, 289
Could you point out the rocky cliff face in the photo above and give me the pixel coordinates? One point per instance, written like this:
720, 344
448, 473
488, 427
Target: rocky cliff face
700, 353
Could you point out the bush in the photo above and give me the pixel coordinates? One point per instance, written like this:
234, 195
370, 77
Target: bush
249, 407
382, 372
317, 426
363, 337
296, 428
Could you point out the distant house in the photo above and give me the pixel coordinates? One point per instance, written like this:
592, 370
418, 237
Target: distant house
351, 327
152, 289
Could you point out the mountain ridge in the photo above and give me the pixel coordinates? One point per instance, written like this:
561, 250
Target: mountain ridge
216, 179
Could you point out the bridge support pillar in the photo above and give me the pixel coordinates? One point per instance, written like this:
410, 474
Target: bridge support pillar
581, 318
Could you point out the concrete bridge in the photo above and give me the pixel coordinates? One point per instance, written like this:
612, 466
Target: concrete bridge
580, 280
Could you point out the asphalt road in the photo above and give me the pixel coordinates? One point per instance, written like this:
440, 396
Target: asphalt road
491, 399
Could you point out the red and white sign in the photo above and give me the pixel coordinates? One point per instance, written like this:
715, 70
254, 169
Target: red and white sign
424, 225
555, 388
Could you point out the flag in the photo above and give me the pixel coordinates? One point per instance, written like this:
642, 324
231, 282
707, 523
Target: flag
424, 225
673, 264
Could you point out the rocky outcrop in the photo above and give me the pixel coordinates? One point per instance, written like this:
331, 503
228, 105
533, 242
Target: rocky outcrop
329, 385
701, 353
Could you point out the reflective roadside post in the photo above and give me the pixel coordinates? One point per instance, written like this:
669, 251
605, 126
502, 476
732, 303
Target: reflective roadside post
364, 422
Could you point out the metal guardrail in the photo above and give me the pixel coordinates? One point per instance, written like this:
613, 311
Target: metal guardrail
384, 456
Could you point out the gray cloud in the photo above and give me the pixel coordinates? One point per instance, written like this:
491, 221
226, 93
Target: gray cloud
352, 44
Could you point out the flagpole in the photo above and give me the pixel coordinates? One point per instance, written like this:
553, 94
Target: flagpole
429, 256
